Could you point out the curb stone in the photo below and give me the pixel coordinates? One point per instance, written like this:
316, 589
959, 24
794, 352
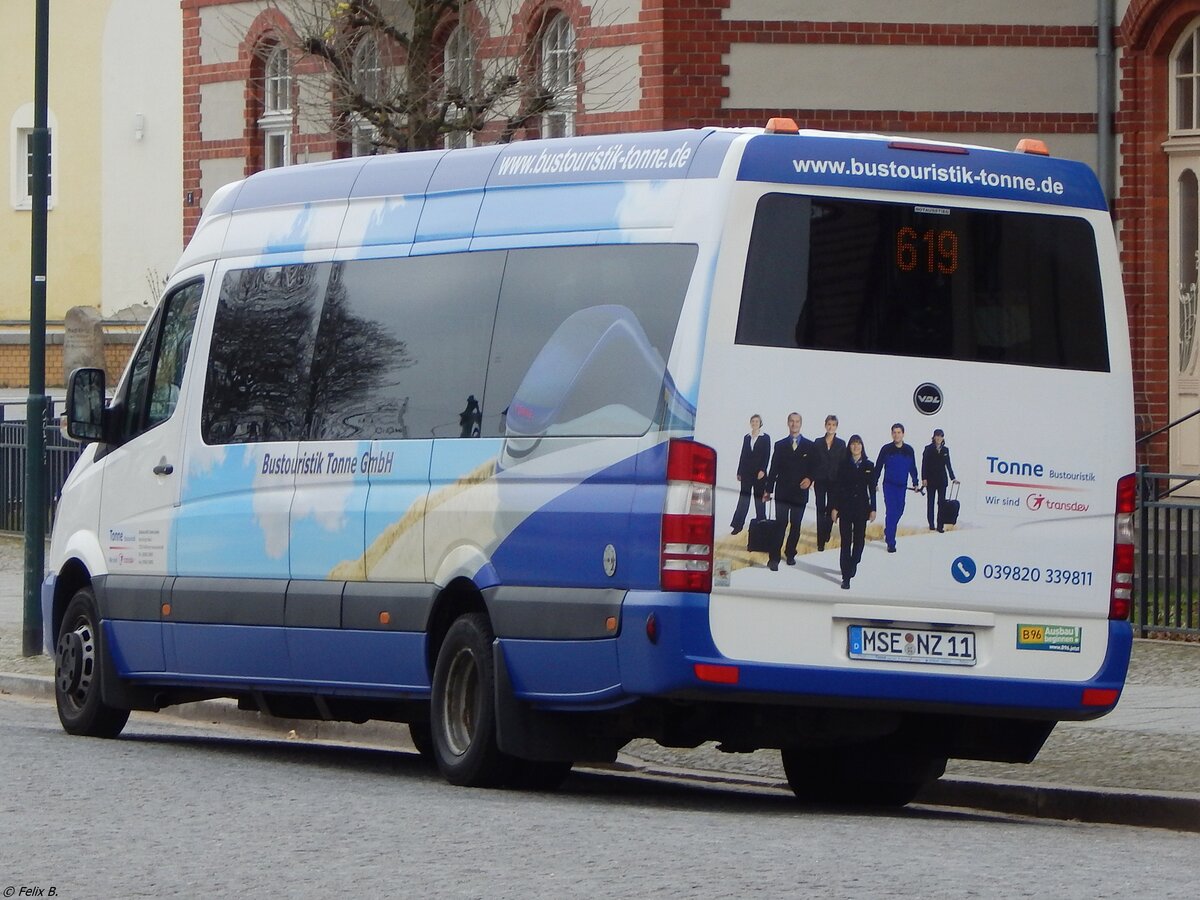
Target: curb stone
1177, 811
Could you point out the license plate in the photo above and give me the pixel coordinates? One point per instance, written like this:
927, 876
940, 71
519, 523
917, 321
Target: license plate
946, 648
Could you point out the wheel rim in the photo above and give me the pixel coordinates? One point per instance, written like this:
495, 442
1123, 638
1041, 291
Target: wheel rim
75, 663
460, 703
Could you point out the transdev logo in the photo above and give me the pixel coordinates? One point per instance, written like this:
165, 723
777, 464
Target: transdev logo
1042, 503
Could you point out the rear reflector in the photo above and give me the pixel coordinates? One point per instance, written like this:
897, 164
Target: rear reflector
1100, 696
717, 674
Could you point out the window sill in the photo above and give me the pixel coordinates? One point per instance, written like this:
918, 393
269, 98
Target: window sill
27, 206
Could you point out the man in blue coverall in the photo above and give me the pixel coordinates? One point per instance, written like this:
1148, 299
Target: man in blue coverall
896, 465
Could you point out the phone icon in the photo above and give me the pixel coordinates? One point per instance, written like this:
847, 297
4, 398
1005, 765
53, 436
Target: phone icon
963, 569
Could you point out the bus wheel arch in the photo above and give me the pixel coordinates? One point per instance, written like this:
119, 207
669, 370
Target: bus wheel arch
458, 598
73, 577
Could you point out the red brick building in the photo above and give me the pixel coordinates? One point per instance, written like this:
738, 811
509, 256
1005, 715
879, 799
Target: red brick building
1114, 83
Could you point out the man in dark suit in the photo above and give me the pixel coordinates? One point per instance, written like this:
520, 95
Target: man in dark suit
788, 481
828, 454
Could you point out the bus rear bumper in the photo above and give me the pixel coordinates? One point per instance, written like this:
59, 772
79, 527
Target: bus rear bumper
683, 662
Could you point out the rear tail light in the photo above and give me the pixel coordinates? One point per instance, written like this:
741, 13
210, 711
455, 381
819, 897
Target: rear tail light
687, 520
1121, 601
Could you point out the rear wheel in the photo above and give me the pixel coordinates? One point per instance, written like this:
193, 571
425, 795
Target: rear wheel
463, 711
77, 672
837, 777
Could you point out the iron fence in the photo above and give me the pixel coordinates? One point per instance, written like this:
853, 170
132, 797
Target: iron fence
61, 454
1167, 588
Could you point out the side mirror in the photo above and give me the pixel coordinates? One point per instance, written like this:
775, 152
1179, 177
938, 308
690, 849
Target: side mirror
85, 405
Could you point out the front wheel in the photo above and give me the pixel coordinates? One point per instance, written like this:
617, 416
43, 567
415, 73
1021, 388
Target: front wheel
463, 711
77, 673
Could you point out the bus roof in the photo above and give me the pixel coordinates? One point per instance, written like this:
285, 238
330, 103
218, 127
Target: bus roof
810, 157
440, 199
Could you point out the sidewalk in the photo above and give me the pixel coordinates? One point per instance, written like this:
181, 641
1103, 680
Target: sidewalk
1139, 765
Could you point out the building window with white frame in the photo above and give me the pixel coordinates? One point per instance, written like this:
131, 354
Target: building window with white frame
275, 125
368, 80
458, 85
557, 76
1185, 64
21, 154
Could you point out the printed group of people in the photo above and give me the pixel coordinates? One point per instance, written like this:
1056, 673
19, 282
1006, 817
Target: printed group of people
844, 482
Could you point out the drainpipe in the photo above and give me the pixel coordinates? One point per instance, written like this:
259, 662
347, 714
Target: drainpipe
1105, 100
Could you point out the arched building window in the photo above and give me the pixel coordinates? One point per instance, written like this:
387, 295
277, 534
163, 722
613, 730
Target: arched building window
275, 124
1189, 249
368, 75
368, 72
458, 83
1183, 281
557, 76
1186, 65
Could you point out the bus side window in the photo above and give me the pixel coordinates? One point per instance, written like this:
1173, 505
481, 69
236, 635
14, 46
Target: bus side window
174, 344
157, 371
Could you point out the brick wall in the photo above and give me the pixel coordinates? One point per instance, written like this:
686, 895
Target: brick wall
1147, 35
14, 359
684, 81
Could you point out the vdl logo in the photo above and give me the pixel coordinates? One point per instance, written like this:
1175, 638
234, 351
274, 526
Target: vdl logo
927, 398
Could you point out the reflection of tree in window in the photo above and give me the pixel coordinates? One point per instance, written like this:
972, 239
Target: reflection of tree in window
354, 359
139, 376
470, 418
258, 370
173, 351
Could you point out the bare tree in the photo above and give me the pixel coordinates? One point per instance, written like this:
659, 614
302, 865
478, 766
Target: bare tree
419, 74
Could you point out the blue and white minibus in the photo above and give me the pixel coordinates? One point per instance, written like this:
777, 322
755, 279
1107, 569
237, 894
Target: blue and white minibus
774, 438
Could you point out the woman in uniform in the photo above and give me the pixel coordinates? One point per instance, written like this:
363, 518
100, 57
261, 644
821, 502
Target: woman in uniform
854, 505
936, 474
752, 473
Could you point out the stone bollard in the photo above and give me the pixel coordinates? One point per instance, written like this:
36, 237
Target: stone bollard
83, 340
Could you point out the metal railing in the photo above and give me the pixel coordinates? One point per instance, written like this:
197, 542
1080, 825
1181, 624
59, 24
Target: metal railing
61, 454
1167, 588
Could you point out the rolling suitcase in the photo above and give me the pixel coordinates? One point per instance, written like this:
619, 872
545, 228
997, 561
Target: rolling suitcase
950, 506
764, 534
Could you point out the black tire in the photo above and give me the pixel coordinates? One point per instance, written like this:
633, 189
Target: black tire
826, 777
78, 670
463, 713
422, 738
